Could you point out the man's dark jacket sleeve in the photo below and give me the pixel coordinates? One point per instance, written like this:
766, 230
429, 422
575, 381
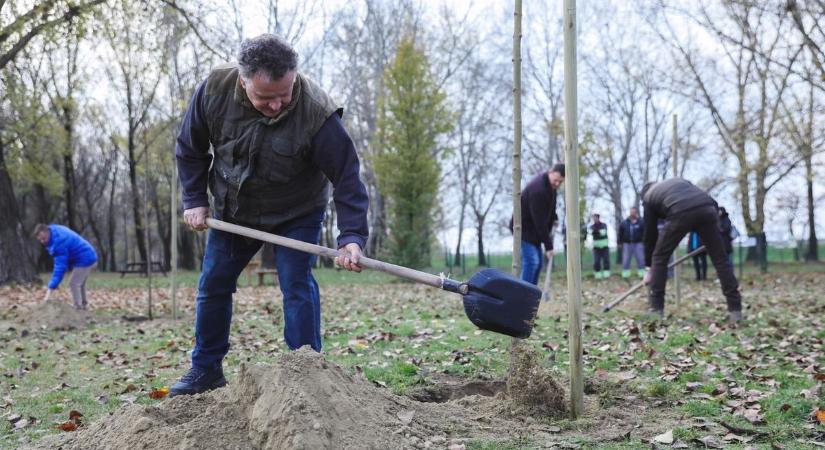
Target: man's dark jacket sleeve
542, 214
334, 153
192, 153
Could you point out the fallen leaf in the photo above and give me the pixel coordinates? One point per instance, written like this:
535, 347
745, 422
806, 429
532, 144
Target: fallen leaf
664, 438
820, 416
709, 442
129, 388
158, 394
67, 426
735, 437
625, 376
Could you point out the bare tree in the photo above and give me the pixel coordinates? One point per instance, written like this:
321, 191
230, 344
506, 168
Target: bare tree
750, 41
808, 18
800, 122
136, 77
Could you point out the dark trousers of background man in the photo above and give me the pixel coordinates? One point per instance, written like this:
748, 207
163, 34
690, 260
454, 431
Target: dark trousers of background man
601, 261
705, 222
700, 266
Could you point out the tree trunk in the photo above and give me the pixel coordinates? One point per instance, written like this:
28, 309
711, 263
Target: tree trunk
457, 257
14, 266
482, 257
186, 248
111, 226
812, 254
68, 186
378, 228
136, 209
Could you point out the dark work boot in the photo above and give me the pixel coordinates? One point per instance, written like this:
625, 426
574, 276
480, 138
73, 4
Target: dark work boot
198, 380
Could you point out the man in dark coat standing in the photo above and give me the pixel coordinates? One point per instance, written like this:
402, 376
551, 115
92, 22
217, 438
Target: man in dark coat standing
538, 213
685, 208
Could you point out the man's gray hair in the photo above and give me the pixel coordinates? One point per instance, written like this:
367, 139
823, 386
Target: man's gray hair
266, 54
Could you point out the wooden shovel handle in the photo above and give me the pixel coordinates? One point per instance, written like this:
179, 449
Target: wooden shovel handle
318, 250
641, 284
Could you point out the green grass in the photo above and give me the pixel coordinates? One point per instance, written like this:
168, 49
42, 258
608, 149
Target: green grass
397, 333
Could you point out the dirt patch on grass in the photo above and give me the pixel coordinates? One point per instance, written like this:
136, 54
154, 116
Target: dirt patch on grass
54, 315
441, 388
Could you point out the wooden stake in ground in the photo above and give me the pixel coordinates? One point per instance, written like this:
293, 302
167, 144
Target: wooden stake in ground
516, 156
571, 200
174, 245
675, 155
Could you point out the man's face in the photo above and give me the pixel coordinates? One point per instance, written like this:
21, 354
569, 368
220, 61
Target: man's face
269, 97
555, 179
595, 218
43, 237
634, 213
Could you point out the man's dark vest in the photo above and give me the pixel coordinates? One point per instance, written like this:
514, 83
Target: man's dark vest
261, 173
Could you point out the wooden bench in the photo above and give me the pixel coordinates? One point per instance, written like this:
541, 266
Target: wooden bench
140, 267
266, 270
254, 267
251, 268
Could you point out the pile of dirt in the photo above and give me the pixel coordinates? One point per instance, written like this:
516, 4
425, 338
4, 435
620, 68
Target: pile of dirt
54, 315
531, 389
302, 402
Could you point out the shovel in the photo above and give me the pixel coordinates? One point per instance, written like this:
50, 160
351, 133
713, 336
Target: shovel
546, 295
493, 300
640, 284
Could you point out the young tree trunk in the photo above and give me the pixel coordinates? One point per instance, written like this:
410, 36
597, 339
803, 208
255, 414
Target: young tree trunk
111, 226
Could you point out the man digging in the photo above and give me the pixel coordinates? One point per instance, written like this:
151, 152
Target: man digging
277, 140
685, 208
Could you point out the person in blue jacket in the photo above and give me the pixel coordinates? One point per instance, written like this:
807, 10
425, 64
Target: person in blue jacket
70, 252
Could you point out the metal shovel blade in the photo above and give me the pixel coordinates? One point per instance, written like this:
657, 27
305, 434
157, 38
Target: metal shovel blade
502, 303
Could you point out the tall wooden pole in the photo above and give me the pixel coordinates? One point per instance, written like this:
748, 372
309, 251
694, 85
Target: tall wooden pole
571, 200
517, 139
516, 156
173, 208
674, 146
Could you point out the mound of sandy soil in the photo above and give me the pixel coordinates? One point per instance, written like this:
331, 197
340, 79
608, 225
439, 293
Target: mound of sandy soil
305, 402
302, 402
54, 315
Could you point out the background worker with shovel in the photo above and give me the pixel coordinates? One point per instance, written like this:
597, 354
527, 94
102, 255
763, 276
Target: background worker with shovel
277, 140
70, 252
685, 208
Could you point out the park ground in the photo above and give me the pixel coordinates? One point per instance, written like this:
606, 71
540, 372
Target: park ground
691, 381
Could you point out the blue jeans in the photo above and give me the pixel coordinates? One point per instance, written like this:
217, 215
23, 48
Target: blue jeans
531, 259
225, 257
